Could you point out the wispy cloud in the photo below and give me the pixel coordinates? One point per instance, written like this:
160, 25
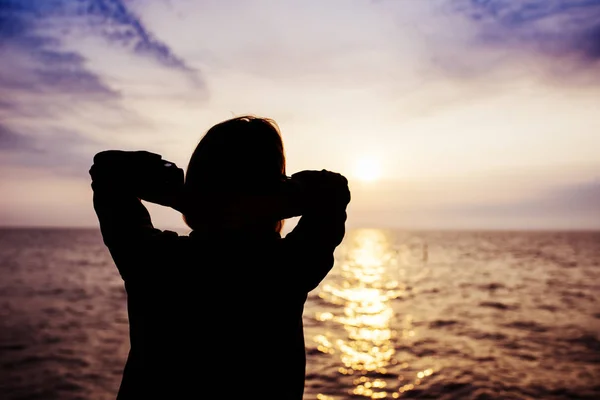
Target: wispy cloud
562, 29
550, 26
117, 23
35, 60
39, 26
53, 102
10, 140
56, 150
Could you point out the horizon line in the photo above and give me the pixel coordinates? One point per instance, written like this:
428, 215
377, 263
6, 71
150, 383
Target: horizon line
398, 228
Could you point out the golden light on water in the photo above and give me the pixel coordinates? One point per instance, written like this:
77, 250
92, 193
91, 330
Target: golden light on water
367, 348
324, 397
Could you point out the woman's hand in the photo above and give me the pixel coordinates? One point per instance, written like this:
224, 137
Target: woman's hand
145, 175
321, 189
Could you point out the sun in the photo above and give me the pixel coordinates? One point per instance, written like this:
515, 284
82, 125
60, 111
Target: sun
367, 170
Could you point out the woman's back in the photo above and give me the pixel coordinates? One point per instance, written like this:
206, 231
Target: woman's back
220, 314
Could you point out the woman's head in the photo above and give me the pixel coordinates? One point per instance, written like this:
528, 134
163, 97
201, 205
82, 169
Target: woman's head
239, 156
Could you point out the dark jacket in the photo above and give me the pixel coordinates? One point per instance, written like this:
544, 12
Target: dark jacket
214, 315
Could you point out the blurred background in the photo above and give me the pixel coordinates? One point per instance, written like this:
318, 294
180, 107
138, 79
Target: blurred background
468, 129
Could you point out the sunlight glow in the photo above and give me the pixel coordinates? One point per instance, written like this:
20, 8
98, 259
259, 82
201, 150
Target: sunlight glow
367, 170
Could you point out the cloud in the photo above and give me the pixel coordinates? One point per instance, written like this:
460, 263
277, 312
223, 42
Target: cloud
117, 23
569, 204
499, 41
57, 150
554, 28
10, 140
35, 62
55, 104
33, 36
575, 199
41, 25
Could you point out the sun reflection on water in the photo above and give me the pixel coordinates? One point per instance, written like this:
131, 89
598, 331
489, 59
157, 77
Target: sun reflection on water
367, 352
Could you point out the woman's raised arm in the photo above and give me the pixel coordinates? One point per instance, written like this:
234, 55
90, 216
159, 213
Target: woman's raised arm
119, 180
321, 228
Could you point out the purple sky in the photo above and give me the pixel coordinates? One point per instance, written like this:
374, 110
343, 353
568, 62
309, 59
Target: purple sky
479, 114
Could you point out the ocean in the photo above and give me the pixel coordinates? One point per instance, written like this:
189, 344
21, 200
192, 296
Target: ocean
427, 315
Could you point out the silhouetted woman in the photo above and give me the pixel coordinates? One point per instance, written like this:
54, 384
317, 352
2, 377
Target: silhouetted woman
217, 314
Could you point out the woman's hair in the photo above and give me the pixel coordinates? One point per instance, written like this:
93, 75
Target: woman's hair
242, 155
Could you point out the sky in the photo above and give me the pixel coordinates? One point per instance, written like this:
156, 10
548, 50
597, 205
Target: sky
470, 114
